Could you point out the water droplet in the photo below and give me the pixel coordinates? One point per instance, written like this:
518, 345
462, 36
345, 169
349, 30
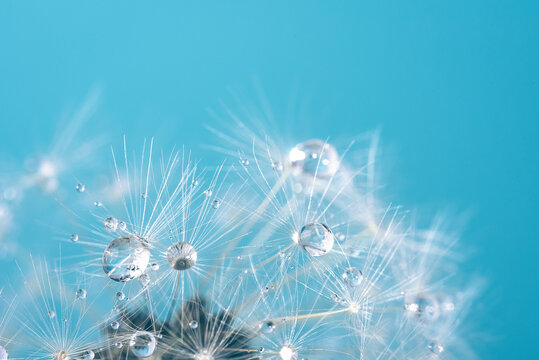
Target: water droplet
245, 162
142, 344
126, 258
267, 326
111, 224
277, 165
181, 256
88, 355
81, 294
208, 192
193, 324
261, 349
216, 204
335, 297
3, 353
118, 345
51, 314
98, 203
194, 182
155, 266
122, 225
115, 325
316, 238
74, 237
144, 195
424, 307
436, 348
80, 188
352, 277
120, 296
314, 157
288, 352
144, 280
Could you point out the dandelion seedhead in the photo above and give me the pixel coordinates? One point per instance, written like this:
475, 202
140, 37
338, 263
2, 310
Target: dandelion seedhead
283, 253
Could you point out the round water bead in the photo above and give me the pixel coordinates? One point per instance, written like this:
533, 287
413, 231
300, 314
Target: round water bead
3, 353
423, 306
288, 352
314, 157
216, 204
436, 348
267, 326
142, 344
316, 238
111, 224
193, 324
115, 325
181, 256
352, 277
126, 258
88, 355
120, 295
74, 237
51, 314
80, 188
81, 294
144, 280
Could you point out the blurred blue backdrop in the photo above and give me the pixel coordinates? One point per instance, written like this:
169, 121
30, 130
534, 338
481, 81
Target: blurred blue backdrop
451, 84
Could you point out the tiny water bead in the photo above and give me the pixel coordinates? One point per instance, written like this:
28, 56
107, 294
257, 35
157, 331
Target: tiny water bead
288, 352
74, 237
316, 238
436, 348
98, 203
80, 188
193, 324
126, 258
51, 314
3, 353
120, 296
122, 225
267, 326
144, 280
352, 277
142, 344
81, 294
424, 307
245, 162
155, 266
216, 204
181, 256
88, 355
111, 224
314, 157
115, 325
118, 345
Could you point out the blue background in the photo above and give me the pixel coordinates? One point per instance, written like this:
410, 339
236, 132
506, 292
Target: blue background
451, 84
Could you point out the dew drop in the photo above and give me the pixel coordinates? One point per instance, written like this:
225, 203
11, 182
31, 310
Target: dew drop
110, 224
80, 188
51, 314
193, 324
267, 326
115, 325
122, 225
181, 256
245, 162
118, 345
81, 294
142, 344
126, 258
88, 355
74, 237
352, 277
424, 307
277, 165
155, 266
120, 296
144, 280
436, 348
216, 204
194, 182
98, 203
314, 157
316, 238
208, 192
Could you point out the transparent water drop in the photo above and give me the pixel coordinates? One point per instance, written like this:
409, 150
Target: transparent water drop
81, 294
424, 307
80, 188
115, 325
267, 326
352, 277
51, 314
142, 344
193, 324
126, 258
118, 345
111, 224
98, 203
3, 353
316, 238
144, 195
194, 182
288, 352
261, 349
120, 296
144, 280
216, 203
122, 225
88, 355
245, 162
436, 348
277, 165
335, 297
314, 157
208, 192
181, 256
155, 266
74, 237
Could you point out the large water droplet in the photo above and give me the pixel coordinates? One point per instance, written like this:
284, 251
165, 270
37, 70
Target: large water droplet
316, 238
267, 326
111, 224
126, 258
142, 344
352, 277
3, 353
81, 294
181, 255
314, 157
288, 352
425, 307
